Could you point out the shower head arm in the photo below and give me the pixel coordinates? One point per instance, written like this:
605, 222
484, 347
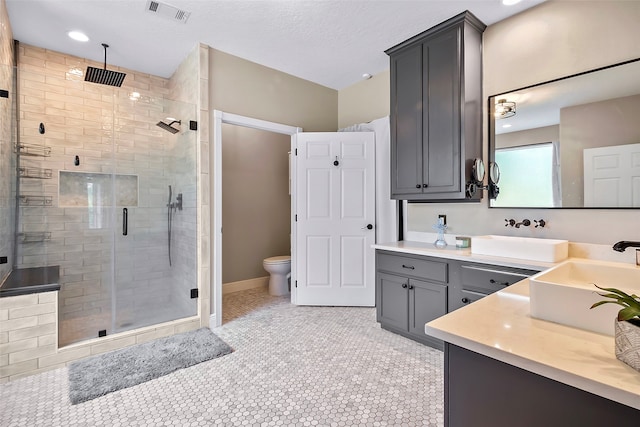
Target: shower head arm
105, 46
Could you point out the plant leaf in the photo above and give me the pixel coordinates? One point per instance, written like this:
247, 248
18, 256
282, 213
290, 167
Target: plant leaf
614, 290
628, 313
606, 302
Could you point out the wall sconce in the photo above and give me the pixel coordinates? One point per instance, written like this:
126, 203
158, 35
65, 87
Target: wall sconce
505, 109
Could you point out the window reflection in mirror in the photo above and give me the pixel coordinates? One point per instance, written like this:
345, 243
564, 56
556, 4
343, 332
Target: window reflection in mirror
572, 142
518, 187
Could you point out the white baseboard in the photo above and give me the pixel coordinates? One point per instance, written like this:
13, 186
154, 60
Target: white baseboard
243, 285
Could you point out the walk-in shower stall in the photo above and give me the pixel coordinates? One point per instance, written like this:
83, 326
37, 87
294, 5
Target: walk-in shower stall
103, 191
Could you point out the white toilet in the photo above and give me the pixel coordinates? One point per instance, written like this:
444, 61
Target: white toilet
280, 269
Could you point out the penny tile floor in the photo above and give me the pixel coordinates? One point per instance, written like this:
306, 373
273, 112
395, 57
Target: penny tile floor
292, 366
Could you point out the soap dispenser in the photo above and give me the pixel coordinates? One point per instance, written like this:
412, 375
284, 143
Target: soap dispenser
440, 227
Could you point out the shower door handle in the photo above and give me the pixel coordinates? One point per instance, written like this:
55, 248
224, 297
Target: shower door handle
125, 221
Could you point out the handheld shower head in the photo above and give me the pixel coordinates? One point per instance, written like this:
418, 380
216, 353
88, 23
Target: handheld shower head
169, 127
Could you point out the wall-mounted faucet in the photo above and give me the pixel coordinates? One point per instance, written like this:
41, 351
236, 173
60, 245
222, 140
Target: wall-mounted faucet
524, 222
540, 223
624, 244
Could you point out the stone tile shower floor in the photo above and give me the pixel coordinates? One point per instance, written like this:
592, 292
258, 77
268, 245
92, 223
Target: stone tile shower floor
292, 366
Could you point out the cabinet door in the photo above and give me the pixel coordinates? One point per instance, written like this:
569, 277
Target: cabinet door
391, 301
406, 122
427, 301
441, 117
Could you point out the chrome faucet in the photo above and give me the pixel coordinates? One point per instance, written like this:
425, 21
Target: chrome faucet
524, 222
624, 244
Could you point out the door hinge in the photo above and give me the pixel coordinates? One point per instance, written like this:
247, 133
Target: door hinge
296, 151
194, 293
296, 283
296, 217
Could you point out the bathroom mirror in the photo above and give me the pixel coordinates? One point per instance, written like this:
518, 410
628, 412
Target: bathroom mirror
573, 142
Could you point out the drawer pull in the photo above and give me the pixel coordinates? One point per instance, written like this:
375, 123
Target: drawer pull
495, 282
466, 300
410, 287
410, 267
404, 286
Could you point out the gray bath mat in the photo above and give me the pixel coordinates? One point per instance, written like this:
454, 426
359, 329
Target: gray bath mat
98, 375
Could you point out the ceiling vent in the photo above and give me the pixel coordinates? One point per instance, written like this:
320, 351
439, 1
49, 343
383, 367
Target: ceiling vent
167, 11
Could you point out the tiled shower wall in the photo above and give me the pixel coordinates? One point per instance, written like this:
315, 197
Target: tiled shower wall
7, 164
109, 132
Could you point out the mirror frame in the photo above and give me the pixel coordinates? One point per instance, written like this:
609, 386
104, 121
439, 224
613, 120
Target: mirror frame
491, 125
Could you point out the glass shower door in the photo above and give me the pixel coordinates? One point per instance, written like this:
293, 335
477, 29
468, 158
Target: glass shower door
155, 212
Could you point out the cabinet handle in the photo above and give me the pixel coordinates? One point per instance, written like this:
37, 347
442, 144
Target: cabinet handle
410, 287
495, 282
404, 285
424, 185
410, 267
466, 300
418, 185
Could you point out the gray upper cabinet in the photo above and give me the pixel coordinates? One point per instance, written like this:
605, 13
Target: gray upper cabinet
436, 111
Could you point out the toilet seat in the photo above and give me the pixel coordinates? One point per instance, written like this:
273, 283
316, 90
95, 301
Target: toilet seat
278, 259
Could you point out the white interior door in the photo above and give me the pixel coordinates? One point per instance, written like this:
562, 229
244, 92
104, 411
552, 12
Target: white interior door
612, 176
334, 219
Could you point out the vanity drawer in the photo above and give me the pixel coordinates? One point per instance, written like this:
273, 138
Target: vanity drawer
467, 297
420, 267
490, 278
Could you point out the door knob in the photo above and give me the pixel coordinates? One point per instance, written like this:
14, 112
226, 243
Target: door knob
404, 285
368, 227
410, 286
466, 300
418, 186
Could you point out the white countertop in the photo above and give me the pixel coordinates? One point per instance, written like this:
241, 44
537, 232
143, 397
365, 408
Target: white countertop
450, 252
499, 326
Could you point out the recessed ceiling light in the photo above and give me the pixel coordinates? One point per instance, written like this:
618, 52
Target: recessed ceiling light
510, 2
78, 36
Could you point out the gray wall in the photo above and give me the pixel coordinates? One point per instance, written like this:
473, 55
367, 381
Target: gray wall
256, 207
243, 87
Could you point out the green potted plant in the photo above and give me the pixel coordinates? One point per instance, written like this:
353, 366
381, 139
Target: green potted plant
627, 325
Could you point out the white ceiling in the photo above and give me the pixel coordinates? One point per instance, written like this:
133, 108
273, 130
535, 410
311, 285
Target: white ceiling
330, 42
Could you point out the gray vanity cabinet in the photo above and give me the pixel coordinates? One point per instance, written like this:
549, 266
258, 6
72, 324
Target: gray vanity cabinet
410, 291
472, 281
436, 111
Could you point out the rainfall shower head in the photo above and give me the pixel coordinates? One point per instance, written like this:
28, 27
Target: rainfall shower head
104, 76
169, 127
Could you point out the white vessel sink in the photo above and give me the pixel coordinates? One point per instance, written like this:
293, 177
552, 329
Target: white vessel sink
565, 293
546, 250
